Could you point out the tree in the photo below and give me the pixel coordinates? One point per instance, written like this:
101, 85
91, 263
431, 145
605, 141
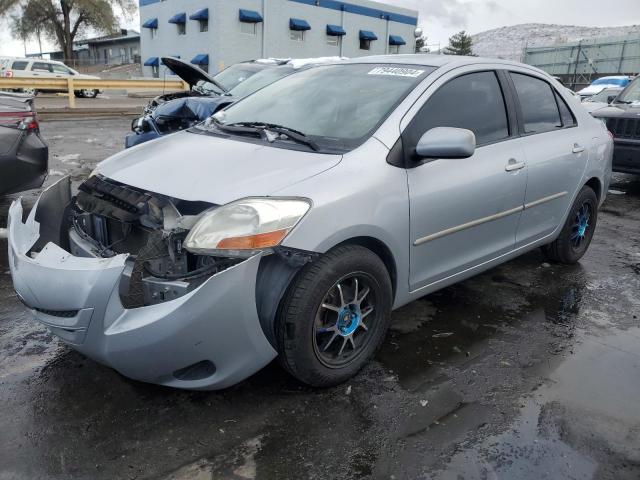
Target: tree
459, 44
421, 45
64, 20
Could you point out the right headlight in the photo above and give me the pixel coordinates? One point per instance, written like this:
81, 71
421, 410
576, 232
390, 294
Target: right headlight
245, 227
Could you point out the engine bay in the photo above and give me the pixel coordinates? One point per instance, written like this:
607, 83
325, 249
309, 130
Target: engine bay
107, 218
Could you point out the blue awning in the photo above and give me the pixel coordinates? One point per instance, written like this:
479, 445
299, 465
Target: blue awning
396, 40
367, 35
249, 16
298, 24
201, 59
335, 30
179, 18
200, 15
152, 62
151, 23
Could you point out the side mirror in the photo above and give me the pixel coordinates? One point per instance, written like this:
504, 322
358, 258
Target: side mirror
611, 98
446, 142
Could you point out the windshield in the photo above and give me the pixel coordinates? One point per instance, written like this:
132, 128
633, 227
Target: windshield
611, 81
339, 106
259, 80
604, 95
207, 88
630, 94
235, 74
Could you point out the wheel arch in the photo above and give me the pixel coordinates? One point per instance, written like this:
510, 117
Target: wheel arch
596, 185
378, 247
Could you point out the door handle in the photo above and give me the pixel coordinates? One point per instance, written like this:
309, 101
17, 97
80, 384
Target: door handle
514, 165
577, 148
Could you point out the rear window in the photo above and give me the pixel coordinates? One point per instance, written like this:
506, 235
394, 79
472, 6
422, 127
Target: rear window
537, 103
19, 65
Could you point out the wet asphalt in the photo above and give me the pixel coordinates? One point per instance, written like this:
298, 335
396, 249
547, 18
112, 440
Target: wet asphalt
528, 371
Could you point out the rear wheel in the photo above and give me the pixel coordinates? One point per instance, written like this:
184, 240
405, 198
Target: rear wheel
30, 91
334, 316
576, 235
89, 93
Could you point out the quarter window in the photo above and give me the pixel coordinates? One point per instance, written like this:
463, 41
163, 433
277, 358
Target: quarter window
537, 103
568, 120
473, 101
19, 65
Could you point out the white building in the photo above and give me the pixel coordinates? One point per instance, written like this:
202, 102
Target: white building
217, 33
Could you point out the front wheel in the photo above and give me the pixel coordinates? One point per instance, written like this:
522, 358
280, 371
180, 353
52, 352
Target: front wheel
335, 316
577, 232
30, 91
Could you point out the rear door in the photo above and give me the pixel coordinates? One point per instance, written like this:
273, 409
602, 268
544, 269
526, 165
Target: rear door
556, 153
464, 212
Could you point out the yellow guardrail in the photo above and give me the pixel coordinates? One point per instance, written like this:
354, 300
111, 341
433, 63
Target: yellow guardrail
72, 84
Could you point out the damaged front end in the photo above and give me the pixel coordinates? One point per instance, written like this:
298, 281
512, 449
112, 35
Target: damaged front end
107, 219
114, 281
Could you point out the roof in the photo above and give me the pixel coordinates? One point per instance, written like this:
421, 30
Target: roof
430, 60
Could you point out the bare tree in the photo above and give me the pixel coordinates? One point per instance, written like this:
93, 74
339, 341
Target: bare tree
64, 20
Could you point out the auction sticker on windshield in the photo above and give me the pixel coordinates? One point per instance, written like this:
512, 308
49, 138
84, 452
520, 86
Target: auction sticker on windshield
397, 72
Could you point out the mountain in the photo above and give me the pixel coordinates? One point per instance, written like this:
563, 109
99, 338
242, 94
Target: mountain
509, 42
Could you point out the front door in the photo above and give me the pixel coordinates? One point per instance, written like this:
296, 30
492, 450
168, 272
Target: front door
464, 212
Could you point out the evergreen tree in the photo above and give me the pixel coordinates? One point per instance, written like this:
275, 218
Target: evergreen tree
459, 44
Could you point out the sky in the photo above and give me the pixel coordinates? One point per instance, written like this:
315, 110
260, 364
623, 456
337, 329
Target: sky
442, 18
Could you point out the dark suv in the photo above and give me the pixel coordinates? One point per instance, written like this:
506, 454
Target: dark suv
623, 121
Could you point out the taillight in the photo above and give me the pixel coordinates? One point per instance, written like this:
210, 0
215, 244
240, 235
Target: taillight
8, 73
19, 120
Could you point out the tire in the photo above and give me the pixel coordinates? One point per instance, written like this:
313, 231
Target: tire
78, 93
577, 232
323, 346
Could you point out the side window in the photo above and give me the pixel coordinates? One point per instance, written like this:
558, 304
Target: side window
568, 120
19, 65
473, 101
537, 103
40, 67
60, 69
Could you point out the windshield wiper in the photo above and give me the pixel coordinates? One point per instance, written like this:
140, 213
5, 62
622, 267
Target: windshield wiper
626, 102
265, 128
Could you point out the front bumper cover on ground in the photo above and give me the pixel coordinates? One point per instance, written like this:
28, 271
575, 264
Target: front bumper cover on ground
78, 299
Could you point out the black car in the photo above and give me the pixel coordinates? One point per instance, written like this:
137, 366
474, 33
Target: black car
623, 121
24, 156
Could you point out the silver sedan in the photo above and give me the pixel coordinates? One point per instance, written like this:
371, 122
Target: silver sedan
291, 223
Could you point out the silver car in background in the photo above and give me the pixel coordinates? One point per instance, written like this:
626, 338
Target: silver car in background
291, 223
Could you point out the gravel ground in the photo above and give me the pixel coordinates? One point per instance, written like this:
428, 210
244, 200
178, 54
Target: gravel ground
528, 371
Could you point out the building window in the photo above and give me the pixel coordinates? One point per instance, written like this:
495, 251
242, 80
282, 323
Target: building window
155, 71
333, 40
365, 44
297, 35
394, 49
204, 25
153, 32
248, 28
182, 28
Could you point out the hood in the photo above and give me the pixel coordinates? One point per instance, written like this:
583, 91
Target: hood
593, 89
206, 168
631, 110
190, 74
594, 106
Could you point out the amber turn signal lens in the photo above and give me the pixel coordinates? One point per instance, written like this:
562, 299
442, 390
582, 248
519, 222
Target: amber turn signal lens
253, 242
